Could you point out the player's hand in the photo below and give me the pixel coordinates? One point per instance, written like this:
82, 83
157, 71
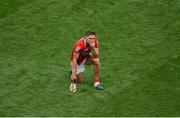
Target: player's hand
92, 45
73, 77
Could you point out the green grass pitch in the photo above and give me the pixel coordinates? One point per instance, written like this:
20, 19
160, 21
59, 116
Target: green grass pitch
139, 52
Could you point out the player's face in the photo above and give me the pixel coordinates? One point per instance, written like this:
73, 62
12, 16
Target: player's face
90, 39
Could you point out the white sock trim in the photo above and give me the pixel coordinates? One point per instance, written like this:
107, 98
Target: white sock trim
96, 83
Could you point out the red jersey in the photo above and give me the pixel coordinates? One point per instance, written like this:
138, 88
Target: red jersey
79, 47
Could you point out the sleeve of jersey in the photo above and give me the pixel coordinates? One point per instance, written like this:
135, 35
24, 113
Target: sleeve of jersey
77, 49
96, 43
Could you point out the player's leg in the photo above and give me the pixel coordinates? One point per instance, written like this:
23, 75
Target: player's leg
96, 62
79, 78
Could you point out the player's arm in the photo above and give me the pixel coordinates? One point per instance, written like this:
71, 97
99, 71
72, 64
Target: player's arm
74, 65
95, 49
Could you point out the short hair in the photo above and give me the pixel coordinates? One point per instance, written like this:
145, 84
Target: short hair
90, 33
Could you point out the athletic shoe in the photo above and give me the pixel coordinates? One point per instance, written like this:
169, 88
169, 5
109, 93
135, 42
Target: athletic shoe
100, 87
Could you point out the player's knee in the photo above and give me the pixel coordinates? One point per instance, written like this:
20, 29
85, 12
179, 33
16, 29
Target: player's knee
79, 78
80, 81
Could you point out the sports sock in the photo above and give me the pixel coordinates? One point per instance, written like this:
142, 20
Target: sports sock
96, 82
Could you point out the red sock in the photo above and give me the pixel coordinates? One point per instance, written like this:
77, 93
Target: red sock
96, 80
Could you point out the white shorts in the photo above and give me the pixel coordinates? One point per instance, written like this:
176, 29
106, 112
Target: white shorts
80, 68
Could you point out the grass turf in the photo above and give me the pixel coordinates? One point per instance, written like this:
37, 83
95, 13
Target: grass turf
139, 53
